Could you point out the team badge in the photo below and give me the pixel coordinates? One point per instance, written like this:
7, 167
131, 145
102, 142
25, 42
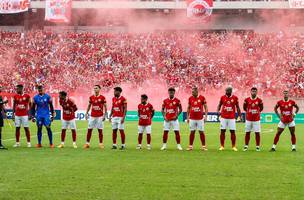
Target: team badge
289, 104
174, 102
99, 100
231, 100
199, 100
24, 98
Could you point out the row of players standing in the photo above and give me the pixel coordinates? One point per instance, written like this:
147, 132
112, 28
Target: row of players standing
38, 110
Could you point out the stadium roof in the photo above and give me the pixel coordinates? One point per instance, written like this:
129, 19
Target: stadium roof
170, 4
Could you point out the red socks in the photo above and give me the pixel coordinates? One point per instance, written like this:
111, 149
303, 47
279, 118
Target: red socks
89, 135
191, 138
27, 134
148, 138
276, 139
140, 136
18, 134
202, 137
123, 136
222, 139
233, 138
63, 133
74, 135
177, 137
293, 139
165, 137
247, 139
100, 134
257, 139
114, 136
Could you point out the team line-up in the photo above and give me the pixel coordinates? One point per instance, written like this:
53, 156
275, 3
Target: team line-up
40, 109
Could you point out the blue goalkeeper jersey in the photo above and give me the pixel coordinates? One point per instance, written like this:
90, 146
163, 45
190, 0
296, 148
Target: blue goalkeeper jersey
42, 105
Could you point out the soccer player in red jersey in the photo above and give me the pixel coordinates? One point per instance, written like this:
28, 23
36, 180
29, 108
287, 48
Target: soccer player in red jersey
21, 104
145, 115
171, 109
286, 117
98, 107
117, 117
253, 107
226, 110
68, 117
197, 108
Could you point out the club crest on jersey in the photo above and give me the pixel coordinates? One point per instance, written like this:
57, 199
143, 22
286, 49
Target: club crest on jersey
24, 98
289, 104
199, 100
174, 102
231, 100
99, 100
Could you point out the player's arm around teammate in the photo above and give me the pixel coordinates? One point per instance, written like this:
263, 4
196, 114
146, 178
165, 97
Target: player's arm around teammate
286, 117
197, 108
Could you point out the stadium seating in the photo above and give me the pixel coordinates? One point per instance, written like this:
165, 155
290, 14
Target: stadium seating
77, 60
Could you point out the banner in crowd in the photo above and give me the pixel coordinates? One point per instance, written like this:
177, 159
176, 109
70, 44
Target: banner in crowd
296, 3
14, 6
199, 9
58, 11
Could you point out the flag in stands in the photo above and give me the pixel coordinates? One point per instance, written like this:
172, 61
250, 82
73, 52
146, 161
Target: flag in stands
58, 10
199, 9
14, 6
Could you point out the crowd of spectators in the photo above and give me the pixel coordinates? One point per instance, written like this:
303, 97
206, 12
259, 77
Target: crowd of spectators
211, 60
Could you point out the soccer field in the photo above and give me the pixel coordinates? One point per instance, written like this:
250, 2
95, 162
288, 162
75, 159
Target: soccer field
29, 173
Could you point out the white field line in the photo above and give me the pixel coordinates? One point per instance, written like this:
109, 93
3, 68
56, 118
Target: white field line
55, 133
35, 135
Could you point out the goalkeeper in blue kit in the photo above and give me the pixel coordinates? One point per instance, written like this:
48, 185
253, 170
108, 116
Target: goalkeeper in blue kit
43, 114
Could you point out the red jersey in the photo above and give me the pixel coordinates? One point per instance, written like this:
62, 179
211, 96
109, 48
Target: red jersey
228, 106
68, 109
145, 114
253, 111
196, 107
21, 104
171, 108
97, 103
118, 106
286, 108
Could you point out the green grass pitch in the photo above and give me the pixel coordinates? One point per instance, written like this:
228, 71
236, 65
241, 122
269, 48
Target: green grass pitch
33, 174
